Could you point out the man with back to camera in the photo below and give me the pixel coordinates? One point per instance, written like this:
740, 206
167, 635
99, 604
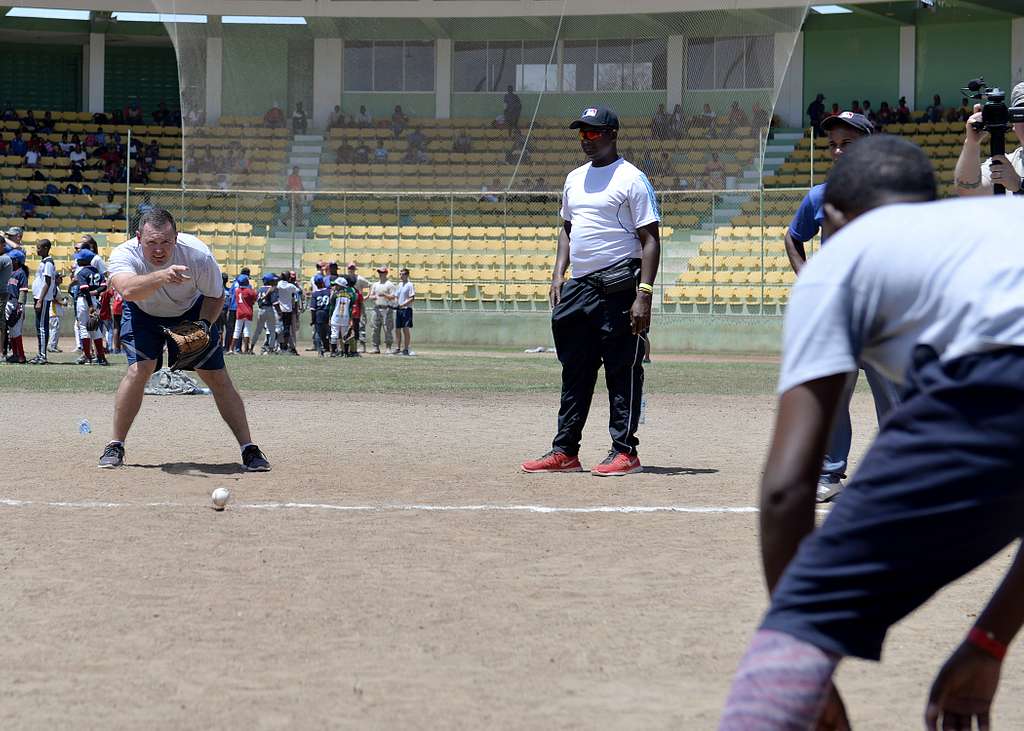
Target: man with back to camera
939, 306
843, 130
168, 278
601, 316
974, 178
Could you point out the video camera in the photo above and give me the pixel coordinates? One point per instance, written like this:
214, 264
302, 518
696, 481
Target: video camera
996, 118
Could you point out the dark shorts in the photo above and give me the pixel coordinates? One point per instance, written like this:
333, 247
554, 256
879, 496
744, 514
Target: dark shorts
403, 317
940, 491
142, 335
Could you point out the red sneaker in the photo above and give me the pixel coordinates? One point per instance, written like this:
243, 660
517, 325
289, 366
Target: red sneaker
553, 462
617, 464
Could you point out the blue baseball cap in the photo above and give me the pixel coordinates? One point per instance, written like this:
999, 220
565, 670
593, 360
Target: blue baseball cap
241, 279
84, 257
318, 280
601, 117
17, 255
268, 278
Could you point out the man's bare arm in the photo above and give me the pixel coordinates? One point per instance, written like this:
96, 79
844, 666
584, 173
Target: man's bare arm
791, 474
796, 252
137, 287
561, 264
211, 308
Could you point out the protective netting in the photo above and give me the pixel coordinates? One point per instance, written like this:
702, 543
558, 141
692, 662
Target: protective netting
442, 144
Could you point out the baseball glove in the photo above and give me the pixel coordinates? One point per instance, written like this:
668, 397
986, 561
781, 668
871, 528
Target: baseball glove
92, 324
14, 313
188, 344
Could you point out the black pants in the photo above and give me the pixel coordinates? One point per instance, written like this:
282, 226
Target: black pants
43, 327
229, 327
321, 335
591, 329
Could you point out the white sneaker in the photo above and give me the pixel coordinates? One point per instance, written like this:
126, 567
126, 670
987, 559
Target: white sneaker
828, 490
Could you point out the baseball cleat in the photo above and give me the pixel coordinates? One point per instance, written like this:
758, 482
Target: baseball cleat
254, 460
553, 461
617, 464
113, 456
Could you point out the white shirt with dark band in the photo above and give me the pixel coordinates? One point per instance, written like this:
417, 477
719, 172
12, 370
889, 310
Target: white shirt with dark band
171, 300
947, 275
606, 205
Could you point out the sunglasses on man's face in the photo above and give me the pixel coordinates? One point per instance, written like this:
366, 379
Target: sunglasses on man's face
592, 134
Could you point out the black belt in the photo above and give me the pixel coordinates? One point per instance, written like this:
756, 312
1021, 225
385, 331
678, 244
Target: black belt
618, 278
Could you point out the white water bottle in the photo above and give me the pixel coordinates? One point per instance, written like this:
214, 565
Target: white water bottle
83, 427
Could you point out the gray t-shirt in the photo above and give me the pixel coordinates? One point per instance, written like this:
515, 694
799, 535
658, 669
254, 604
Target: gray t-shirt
949, 275
6, 267
173, 299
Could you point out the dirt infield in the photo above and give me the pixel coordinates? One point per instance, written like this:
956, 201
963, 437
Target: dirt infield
127, 602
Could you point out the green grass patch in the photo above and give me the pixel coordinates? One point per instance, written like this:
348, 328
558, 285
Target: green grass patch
440, 373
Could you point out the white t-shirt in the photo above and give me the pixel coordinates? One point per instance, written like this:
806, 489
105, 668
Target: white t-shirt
45, 269
1016, 159
31, 157
286, 294
380, 291
98, 265
947, 275
405, 292
606, 205
77, 156
171, 300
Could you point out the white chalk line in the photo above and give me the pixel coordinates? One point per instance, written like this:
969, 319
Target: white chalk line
402, 507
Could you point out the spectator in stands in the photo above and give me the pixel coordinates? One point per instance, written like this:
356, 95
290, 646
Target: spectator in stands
139, 174
28, 205
463, 142
973, 178
65, 144
959, 114
417, 140
487, 193
834, 112
299, 120
380, 154
399, 121
133, 113
78, 156
18, 146
513, 110
737, 117
677, 122
152, 153
816, 112
885, 115
162, 114
46, 124
74, 174
364, 118
715, 173
660, 124
867, 111
32, 157
28, 122
345, 154
902, 111
10, 114
935, 110
274, 118
646, 164
295, 198
111, 208
705, 120
759, 116
362, 154
664, 167
336, 119
856, 108
520, 147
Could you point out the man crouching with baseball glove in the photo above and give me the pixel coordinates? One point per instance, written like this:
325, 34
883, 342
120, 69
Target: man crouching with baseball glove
172, 291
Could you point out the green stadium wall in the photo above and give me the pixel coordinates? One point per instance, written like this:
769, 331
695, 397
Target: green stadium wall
255, 72
843, 63
951, 54
36, 76
149, 73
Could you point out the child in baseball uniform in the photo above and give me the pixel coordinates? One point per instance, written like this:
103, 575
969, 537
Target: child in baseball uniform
319, 303
245, 299
89, 287
17, 292
340, 308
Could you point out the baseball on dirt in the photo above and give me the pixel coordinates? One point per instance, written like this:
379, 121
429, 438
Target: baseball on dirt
220, 497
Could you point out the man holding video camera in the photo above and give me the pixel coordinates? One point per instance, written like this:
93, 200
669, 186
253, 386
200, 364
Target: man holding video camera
1008, 170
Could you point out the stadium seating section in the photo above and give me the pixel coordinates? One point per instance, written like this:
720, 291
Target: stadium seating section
466, 251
